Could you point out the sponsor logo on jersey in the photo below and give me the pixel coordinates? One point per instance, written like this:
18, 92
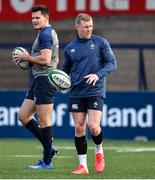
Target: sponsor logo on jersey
75, 106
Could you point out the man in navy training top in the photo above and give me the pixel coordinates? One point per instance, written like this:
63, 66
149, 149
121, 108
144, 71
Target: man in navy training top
40, 97
88, 59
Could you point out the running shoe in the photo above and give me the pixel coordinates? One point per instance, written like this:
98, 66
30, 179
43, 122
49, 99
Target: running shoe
80, 170
41, 165
99, 163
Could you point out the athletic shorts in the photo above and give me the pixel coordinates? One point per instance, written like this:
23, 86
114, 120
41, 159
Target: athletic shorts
84, 103
41, 91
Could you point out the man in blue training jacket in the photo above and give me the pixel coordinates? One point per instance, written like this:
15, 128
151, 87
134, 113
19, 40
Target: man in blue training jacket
88, 59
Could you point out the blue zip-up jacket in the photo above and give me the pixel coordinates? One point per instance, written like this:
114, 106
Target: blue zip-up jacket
88, 56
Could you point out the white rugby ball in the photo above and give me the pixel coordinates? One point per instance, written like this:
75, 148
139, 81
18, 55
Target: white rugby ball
22, 64
59, 79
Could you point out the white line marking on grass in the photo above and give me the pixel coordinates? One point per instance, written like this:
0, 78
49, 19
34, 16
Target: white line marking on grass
131, 149
123, 149
32, 156
114, 148
62, 147
150, 149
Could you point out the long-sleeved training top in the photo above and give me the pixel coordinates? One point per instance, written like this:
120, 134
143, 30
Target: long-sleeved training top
88, 56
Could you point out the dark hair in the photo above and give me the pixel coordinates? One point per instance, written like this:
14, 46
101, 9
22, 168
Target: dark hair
42, 8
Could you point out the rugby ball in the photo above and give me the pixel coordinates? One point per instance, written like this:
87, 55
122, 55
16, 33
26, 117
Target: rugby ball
22, 64
59, 79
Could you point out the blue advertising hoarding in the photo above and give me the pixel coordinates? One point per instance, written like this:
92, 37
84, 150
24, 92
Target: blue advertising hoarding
126, 115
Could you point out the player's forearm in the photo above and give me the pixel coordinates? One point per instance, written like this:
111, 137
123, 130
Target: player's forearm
39, 60
107, 69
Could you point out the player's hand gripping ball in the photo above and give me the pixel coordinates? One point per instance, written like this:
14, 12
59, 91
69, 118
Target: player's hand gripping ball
25, 65
59, 79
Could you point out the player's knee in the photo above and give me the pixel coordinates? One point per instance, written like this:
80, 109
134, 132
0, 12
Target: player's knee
94, 130
44, 122
23, 118
79, 128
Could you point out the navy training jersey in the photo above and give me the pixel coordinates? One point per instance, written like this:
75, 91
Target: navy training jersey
46, 39
88, 56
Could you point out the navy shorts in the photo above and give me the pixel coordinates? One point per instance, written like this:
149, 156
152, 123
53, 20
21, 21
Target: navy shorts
41, 91
84, 103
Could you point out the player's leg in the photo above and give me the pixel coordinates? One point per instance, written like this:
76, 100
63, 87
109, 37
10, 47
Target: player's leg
44, 113
44, 120
26, 112
44, 97
80, 142
26, 117
79, 117
94, 119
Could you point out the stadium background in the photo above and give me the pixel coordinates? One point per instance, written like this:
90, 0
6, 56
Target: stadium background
129, 27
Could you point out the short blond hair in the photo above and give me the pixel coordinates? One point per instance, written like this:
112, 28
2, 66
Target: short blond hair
82, 17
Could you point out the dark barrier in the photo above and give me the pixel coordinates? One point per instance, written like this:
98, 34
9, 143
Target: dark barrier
126, 115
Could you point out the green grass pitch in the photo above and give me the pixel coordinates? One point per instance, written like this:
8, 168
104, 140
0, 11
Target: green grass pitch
124, 160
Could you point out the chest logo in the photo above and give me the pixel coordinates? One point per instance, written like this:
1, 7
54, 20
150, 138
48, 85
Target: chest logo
92, 46
72, 50
95, 104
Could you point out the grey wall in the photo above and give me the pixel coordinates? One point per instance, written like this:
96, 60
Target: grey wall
117, 29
